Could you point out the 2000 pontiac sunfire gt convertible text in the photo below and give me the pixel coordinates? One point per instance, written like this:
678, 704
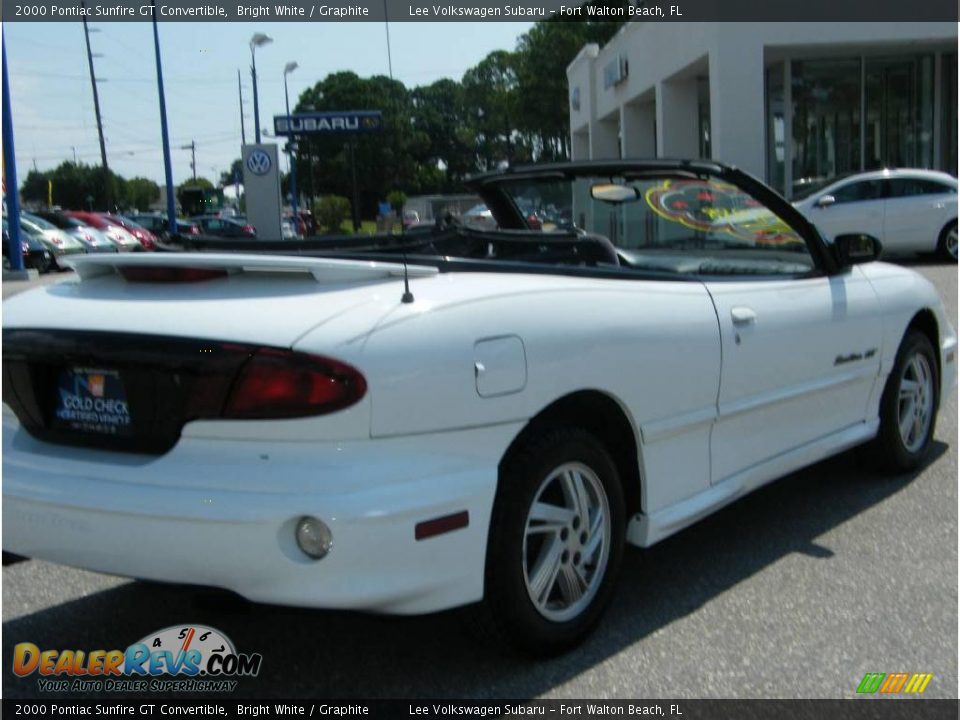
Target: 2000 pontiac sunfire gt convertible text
410, 423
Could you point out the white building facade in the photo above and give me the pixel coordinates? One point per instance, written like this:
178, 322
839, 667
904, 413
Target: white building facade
787, 102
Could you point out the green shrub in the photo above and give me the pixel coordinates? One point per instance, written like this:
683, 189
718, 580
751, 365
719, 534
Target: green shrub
330, 211
397, 199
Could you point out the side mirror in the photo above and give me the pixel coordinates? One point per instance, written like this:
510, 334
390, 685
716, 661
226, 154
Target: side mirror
825, 201
854, 249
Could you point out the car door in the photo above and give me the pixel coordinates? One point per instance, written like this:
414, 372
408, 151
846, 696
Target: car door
800, 358
916, 210
857, 207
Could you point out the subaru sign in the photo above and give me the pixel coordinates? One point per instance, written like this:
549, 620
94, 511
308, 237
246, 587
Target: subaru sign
324, 123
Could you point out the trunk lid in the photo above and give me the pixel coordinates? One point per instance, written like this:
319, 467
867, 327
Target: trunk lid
106, 362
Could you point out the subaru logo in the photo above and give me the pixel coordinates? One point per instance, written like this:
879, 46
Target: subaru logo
258, 162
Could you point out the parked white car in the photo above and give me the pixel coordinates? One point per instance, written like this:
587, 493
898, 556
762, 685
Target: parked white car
410, 424
908, 211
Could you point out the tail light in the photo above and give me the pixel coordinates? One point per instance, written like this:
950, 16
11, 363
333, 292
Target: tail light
285, 384
249, 230
194, 229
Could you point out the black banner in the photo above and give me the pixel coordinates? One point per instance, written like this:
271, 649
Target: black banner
478, 10
882, 709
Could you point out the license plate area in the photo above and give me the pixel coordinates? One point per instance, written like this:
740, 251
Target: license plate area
92, 401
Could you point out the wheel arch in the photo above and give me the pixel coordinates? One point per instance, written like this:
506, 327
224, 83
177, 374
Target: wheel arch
604, 417
925, 321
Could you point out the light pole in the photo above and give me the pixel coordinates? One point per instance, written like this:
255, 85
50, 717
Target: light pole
258, 40
10, 172
243, 130
96, 109
291, 66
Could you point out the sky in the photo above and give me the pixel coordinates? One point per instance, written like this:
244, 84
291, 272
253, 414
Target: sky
52, 100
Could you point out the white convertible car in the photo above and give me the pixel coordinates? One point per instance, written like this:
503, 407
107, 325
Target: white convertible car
456, 415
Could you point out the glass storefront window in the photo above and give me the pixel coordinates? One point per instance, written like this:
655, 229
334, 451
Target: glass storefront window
703, 119
948, 113
826, 118
899, 111
776, 130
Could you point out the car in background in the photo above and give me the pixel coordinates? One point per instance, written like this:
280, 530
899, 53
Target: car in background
157, 224
146, 238
92, 239
908, 211
36, 256
224, 227
479, 217
59, 243
124, 241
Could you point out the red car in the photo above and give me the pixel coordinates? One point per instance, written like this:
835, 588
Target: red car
146, 238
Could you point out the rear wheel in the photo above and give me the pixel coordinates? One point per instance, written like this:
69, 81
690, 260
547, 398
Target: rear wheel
947, 244
908, 408
556, 542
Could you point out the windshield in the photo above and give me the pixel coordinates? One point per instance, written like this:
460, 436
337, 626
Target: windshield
675, 224
39, 222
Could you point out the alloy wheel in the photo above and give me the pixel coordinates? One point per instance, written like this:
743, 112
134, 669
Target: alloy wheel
916, 400
566, 544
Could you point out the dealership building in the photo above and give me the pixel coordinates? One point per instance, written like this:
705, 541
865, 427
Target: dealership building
788, 102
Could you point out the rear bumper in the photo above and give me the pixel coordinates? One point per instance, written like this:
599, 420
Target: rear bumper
222, 513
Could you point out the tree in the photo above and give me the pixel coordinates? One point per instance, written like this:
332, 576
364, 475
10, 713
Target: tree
140, 193
491, 99
75, 186
234, 174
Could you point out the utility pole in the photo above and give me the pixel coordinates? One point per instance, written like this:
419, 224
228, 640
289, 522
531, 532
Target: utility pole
192, 147
386, 22
96, 110
243, 131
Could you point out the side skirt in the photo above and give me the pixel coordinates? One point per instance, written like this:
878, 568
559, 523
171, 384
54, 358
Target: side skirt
645, 530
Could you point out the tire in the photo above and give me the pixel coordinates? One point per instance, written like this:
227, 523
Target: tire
912, 391
947, 243
546, 589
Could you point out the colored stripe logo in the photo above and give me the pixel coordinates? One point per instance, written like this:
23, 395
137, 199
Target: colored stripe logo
894, 683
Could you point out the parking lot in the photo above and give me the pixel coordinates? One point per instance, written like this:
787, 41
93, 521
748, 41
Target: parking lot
795, 591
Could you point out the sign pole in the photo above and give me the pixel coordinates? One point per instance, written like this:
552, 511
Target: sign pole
167, 167
10, 171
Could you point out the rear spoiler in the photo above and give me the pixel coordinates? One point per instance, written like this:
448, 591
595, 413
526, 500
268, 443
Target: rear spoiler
323, 270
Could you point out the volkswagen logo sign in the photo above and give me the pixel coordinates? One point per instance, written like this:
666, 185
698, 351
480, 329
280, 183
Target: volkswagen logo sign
258, 162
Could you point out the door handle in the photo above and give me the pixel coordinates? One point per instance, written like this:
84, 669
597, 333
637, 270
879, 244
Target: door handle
743, 315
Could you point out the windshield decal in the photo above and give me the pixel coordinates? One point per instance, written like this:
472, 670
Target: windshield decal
714, 207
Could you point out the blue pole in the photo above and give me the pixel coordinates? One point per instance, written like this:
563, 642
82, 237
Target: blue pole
10, 170
293, 162
167, 168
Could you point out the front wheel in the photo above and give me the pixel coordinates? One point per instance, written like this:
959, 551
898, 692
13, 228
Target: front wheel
947, 243
908, 408
556, 542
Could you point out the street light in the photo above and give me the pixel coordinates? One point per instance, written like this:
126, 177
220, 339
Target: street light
258, 40
290, 67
